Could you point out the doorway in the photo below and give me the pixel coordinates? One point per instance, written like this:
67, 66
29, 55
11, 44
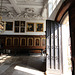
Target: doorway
58, 60
66, 45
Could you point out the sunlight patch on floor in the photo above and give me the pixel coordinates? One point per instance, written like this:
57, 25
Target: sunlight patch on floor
28, 70
3, 58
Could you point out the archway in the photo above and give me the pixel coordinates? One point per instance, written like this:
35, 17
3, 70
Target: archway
69, 5
66, 45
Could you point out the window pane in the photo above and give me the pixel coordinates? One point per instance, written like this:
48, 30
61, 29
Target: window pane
52, 5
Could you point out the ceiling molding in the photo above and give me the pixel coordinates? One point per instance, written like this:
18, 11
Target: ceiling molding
31, 3
24, 9
45, 4
31, 6
7, 5
15, 6
24, 15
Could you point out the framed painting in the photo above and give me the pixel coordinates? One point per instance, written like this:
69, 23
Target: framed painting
22, 41
43, 41
16, 29
9, 26
22, 30
39, 27
37, 41
30, 27
23, 23
16, 23
30, 41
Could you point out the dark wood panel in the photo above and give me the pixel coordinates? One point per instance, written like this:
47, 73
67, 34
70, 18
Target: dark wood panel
23, 42
64, 7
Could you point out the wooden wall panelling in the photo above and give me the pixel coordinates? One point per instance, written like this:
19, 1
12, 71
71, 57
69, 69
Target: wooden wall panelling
8, 41
22, 41
17, 46
43, 41
30, 41
16, 41
37, 41
2, 42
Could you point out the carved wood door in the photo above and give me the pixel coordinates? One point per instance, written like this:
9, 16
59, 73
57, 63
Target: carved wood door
53, 48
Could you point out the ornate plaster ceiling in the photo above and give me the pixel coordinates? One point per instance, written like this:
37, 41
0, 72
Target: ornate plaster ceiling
23, 8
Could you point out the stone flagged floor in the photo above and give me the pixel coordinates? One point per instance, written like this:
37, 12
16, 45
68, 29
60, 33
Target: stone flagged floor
23, 65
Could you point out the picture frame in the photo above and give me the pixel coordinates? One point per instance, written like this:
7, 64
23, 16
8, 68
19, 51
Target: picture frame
22, 41
30, 41
39, 27
37, 41
30, 27
43, 42
9, 26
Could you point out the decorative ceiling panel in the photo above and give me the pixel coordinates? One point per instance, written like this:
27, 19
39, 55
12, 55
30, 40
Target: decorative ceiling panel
23, 8
31, 10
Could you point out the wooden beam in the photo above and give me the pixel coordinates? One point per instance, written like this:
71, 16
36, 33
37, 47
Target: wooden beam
64, 7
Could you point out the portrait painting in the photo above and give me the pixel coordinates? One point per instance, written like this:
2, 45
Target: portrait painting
30, 27
39, 27
37, 41
30, 42
9, 26
17, 29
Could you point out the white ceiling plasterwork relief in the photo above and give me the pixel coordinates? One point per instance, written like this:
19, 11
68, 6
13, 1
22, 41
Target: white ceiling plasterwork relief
23, 9
27, 14
10, 15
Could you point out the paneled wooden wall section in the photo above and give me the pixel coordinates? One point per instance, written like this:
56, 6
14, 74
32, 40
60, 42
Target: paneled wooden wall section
23, 42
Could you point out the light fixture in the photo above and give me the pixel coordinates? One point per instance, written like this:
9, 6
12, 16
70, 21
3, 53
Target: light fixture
2, 23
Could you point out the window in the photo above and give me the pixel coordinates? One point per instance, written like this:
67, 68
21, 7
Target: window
51, 5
